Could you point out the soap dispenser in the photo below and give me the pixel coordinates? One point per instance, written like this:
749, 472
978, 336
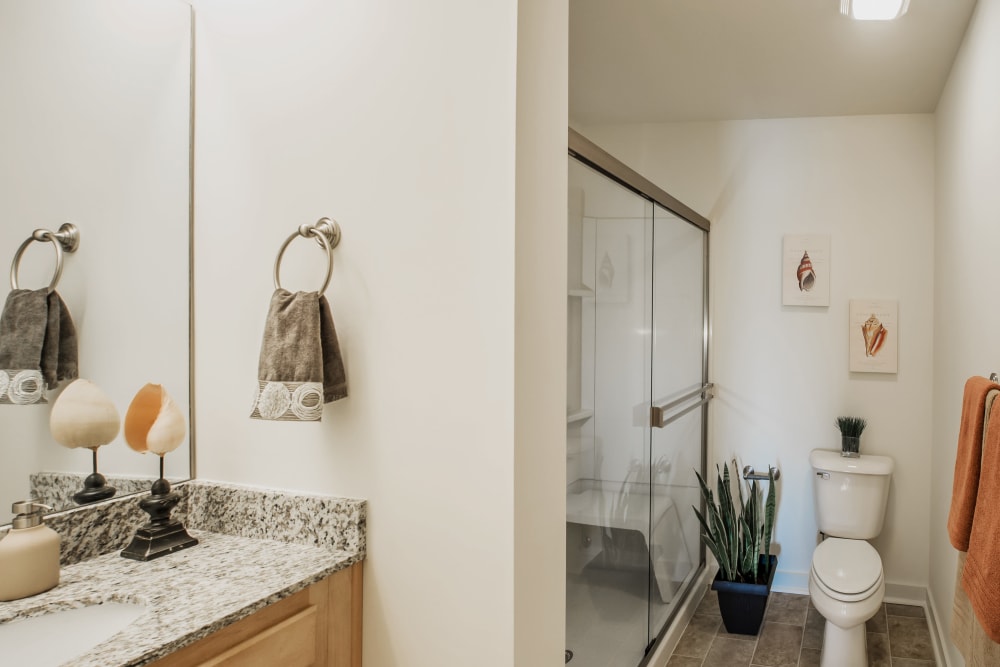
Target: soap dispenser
29, 554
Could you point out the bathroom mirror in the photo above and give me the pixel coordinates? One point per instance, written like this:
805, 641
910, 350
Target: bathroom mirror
95, 129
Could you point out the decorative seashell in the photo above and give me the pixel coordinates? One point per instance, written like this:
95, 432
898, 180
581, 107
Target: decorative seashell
83, 416
606, 274
805, 273
153, 422
875, 335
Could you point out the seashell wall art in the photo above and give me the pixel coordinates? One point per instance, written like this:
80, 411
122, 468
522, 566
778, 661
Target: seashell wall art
874, 331
805, 273
805, 270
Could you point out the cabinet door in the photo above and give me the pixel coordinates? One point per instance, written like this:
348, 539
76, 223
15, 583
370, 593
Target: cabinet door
317, 627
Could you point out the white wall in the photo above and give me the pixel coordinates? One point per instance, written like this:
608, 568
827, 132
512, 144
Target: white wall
782, 372
966, 245
539, 337
400, 120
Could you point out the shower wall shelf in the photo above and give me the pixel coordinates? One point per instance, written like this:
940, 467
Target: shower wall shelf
578, 416
582, 292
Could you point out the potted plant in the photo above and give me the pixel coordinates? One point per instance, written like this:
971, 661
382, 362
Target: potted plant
738, 533
850, 435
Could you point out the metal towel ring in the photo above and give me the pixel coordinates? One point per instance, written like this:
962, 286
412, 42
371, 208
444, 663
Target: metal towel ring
327, 234
67, 238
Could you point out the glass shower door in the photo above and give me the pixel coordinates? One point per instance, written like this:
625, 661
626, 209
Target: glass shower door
637, 328
607, 522
679, 335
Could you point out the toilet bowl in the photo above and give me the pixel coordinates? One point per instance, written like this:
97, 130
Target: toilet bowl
846, 586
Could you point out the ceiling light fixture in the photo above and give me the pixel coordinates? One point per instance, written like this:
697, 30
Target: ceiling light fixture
874, 10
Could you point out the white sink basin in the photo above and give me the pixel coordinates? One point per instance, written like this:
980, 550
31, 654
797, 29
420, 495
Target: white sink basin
57, 637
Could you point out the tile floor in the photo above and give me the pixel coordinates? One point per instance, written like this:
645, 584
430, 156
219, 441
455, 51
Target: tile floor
792, 635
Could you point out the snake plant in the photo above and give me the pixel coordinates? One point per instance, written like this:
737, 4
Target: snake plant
738, 530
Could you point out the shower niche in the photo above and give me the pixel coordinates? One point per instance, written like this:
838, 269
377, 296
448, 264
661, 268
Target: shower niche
637, 323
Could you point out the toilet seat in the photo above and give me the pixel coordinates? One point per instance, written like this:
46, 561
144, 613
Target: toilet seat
847, 570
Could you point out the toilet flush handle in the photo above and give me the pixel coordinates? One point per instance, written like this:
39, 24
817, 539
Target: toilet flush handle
824, 475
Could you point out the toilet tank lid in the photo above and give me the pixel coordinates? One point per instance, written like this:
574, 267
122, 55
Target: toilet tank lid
830, 460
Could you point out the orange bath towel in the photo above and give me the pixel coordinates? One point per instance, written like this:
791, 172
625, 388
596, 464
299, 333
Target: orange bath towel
968, 461
981, 577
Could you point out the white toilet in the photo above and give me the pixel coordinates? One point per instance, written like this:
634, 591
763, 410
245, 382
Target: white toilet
845, 582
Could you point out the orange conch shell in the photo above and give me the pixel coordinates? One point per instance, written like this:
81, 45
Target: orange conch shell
874, 334
805, 273
83, 416
153, 422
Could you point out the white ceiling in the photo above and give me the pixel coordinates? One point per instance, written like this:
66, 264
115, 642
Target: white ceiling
672, 60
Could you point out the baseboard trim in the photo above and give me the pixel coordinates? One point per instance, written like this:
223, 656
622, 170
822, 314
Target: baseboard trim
938, 638
673, 634
906, 594
786, 581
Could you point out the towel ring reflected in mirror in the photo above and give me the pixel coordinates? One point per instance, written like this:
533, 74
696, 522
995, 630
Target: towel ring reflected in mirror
327, 233
67, 238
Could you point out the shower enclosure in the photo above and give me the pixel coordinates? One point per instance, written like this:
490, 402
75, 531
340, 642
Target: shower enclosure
637, 404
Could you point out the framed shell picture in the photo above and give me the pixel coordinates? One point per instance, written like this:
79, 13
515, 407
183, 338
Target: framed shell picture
874, 336
805, 270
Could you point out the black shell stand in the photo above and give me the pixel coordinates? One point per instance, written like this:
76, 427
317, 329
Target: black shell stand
95, 487
162, 535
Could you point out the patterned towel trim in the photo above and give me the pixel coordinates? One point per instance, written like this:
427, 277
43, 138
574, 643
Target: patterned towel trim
288, 401
21, 387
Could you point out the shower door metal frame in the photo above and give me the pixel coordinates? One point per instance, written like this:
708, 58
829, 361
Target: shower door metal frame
600, 160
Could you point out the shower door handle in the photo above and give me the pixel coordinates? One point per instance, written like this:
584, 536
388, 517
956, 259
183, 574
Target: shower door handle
660, 415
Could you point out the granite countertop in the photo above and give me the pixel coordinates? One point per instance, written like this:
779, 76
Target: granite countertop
189, 594
256, 547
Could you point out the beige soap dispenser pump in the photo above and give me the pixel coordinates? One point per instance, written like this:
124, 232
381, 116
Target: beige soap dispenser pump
29, 554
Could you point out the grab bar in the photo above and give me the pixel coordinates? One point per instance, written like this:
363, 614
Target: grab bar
658, 413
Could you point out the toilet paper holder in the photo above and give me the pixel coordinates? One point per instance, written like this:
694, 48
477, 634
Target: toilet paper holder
749, 474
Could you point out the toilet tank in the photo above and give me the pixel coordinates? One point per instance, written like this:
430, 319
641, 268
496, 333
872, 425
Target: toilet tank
851, 493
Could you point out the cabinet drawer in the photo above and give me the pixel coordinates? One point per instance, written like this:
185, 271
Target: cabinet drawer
291, 643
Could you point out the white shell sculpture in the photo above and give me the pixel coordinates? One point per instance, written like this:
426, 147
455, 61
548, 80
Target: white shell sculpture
153, 422
84, 416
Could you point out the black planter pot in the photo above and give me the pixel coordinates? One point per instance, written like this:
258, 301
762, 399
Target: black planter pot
742, 605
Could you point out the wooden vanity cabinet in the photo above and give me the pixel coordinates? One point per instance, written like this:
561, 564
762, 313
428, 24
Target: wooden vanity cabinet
319, 626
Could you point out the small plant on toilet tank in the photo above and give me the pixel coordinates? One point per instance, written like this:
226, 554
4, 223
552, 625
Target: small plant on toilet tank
851, 429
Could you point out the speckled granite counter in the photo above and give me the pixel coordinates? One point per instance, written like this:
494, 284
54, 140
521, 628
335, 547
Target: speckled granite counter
245, 563
189, 594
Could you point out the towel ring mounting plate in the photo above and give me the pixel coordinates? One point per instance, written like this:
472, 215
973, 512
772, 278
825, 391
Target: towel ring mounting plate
327, 233
67, 238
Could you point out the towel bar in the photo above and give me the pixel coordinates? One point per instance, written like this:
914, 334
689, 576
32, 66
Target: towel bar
67, 238
327, 233
658, 413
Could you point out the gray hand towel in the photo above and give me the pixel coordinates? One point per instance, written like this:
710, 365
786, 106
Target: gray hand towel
38, 346
300, 365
